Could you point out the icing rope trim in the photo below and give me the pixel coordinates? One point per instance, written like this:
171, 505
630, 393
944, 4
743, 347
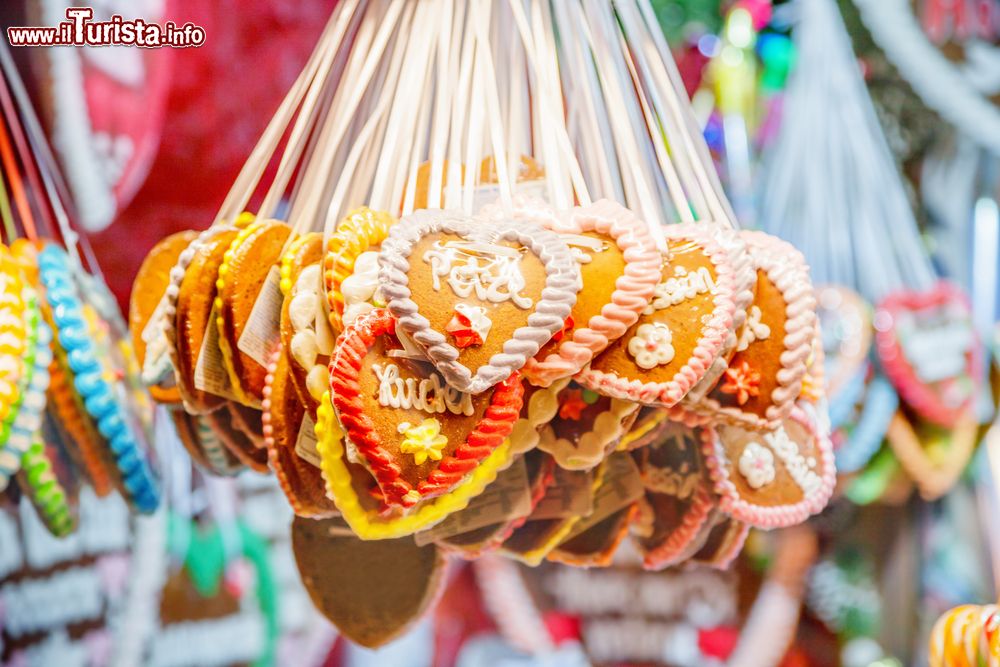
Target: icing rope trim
633, 289
677, 542
22, 429
289, 259
345, 368
562, 283
361, 230
730, 501
541, 409
44, 490
786, 268
99, 398
714, 333
732, 544
215, 453
368, 524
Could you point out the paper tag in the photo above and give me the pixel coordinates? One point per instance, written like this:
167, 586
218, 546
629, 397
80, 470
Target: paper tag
209, 373
507, 498
570, 494
260, 334
621, 486
305, 443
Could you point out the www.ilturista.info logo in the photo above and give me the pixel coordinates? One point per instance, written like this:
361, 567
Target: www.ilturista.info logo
81, 30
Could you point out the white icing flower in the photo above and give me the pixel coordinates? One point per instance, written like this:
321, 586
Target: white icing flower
652, 345
757, 465
302, 310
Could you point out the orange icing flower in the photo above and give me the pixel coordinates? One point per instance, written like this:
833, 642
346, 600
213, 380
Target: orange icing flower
742, 381
572, 405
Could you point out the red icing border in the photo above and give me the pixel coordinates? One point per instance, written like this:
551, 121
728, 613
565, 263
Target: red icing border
345, 368
676, 544
897, 367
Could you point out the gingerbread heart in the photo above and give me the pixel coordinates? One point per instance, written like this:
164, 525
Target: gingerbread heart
674, 513
650, 426
928, 346
770, 479
144, 305
620, 267
283, 420
372, 591
303, 324
418, 436
238, 442
203, 445
764, 377
846, 325
190, 297
478, 299
241, 276
586, 428
688, 325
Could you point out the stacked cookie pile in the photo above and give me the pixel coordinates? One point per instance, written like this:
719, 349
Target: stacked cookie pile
591, 384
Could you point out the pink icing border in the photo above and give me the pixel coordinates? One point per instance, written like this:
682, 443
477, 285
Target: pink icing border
633, 289
709, 345
787, 269
783, 516
897, 367
681, 537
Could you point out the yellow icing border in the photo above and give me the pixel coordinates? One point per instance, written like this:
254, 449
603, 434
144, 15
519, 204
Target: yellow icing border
590, 450
369, 525
288, 260
542, 408
361, 230
220, 282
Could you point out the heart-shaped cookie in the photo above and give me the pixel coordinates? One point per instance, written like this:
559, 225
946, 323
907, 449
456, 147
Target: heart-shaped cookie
300, 277
372, 591
928, 346
619, 265
418, 436
673, 515
148, 290
301, 481
479, 299
934, 457
770, 479
242, 274
686, 327
846, 325
362, 503
586, 428
190, 297
764, 377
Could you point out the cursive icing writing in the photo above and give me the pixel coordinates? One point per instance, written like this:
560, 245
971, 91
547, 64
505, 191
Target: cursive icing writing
682, 286
429, 394
493, 272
